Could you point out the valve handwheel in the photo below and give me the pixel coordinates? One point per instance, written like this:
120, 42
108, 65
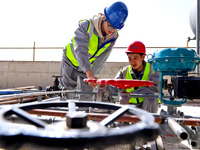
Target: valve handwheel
58, 135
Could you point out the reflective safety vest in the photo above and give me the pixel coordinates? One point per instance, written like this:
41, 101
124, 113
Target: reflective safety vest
93, 49
144, 77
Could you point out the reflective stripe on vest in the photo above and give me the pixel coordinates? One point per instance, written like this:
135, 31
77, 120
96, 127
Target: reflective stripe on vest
93, 49
144, 77
69, 53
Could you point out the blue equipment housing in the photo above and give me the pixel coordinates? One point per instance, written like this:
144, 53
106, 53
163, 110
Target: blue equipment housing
173, 62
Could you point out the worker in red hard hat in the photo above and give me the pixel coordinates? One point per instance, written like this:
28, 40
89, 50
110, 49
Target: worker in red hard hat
136, 54
91, 45
139, 69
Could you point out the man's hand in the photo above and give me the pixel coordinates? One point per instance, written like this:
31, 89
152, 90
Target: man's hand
90, 75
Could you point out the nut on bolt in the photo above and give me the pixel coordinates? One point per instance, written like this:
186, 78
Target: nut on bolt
76, 120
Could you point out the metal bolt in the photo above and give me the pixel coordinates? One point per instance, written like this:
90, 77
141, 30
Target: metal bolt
193, 128
182, 114
194, 143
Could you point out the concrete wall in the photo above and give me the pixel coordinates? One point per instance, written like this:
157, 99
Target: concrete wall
39, 73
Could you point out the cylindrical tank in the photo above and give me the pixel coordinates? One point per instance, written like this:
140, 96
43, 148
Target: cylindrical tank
192, 17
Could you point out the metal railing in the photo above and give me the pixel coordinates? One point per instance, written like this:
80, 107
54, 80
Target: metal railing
34, 48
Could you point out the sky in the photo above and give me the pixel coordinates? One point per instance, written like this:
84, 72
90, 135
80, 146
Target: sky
51, 23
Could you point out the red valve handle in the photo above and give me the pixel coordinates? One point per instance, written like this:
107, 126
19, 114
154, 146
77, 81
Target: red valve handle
121, 83
90, 80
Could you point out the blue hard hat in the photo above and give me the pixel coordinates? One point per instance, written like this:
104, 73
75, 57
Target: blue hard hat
116, 14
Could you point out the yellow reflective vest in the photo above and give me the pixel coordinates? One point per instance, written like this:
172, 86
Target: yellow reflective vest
144, 77
93, 48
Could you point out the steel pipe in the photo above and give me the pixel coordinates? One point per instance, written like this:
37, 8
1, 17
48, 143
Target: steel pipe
178, 129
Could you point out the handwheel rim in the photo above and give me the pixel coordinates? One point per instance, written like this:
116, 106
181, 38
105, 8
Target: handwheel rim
48, 138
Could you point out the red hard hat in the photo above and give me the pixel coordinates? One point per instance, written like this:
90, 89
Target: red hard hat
136, 47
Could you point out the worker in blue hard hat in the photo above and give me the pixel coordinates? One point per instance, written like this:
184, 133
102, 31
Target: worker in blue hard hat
93, 40
139, 69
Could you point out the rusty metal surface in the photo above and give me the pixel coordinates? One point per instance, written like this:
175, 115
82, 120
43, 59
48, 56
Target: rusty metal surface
125, 118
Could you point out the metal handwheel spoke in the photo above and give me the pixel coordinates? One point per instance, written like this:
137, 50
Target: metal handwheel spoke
75, 131
26, 116
72, 106
114, 116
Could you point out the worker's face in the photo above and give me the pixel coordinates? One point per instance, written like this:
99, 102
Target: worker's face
135, 60
107, 27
